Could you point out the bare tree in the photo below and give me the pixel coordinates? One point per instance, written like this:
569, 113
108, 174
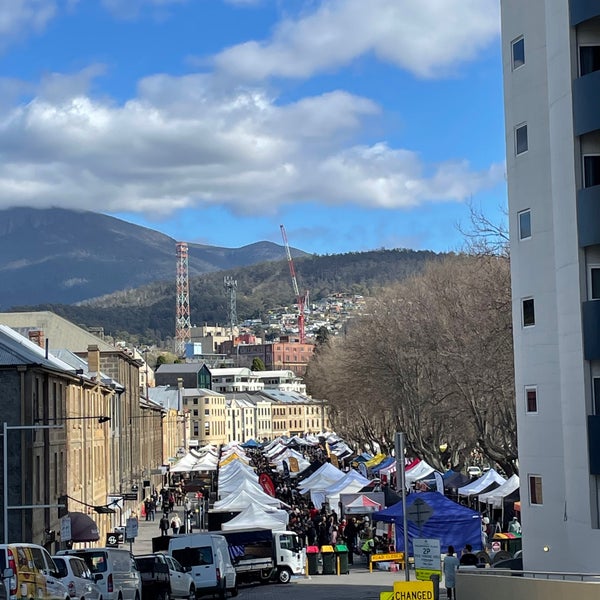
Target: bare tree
432, 358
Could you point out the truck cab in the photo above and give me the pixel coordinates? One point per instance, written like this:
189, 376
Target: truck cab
290, 556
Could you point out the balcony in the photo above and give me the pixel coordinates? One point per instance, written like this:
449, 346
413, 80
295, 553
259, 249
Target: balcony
586, 91
583, 10
591, 329
588, 216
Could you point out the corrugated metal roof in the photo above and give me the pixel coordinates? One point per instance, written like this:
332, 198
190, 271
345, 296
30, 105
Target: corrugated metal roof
20, 350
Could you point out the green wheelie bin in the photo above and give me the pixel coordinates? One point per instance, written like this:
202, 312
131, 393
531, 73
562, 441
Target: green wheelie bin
341, 552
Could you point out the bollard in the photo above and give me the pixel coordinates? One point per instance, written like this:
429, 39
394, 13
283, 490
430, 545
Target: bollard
435, 578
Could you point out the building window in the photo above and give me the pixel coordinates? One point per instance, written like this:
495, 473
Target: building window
591, 170
531, 399
596, 384
528, 312
535, 490
521, 143
207, 411
589, 59
518, 53
525, 224
594, 282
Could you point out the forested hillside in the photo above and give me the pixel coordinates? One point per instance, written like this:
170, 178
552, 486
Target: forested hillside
148, 312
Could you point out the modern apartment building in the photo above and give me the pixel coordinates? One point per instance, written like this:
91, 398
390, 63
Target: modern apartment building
551, 56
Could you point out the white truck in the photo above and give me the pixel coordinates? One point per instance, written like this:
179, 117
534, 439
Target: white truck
266, 556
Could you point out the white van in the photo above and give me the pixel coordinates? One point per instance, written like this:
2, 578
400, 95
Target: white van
113, 570
207, 556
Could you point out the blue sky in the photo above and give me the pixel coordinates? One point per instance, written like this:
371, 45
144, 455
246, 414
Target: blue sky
358, 124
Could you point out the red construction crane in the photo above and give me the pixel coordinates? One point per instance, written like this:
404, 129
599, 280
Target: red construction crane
300, 298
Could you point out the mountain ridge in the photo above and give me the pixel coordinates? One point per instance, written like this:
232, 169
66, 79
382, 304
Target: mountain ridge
64, 256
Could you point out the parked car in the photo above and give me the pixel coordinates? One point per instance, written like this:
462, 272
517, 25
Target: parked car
5, 575
114, 571
474, 471
164, 577
34, 572
207, 555
77, 578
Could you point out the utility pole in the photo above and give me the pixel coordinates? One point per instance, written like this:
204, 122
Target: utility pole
231, 290
401, 487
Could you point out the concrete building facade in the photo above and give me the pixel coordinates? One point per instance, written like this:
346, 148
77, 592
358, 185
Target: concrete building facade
551, 58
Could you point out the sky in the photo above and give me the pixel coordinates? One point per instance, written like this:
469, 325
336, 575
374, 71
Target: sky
357, 124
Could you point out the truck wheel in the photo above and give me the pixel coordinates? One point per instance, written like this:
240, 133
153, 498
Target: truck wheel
284, 576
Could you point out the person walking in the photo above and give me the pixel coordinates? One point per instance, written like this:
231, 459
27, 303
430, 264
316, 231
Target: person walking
175, 524
164, 525
450, 567
350, 532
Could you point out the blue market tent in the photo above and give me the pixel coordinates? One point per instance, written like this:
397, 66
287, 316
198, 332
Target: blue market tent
251, 444
386, 462
451, 523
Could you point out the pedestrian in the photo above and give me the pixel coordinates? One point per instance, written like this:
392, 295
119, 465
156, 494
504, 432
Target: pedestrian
164, 525
175, 524
147, 508
450, 566
350, 534
468, 558
367, 548
514, 526
151, 508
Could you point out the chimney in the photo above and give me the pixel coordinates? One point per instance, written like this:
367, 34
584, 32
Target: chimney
37, 337
93, 358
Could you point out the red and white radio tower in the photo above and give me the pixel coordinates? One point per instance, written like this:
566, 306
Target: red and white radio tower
182, 324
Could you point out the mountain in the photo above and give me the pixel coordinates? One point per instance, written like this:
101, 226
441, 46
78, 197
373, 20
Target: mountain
67, 256
148, 312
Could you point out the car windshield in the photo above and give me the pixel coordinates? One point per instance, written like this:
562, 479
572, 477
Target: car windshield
61, 566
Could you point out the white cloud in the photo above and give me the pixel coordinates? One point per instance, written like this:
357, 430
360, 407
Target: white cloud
426, 37
181, 142
18, 18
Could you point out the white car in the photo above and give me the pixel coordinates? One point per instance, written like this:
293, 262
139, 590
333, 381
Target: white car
182, 582
77, 578
474, 471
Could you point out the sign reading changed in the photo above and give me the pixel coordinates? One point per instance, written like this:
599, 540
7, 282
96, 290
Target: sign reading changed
413, 590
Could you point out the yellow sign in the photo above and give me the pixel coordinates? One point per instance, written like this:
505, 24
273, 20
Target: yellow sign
294, 467
413, 590
386, 595
425, 574
390, 556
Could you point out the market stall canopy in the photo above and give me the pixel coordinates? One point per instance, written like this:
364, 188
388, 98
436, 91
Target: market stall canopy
322, 478
241, 501
421, 470
445, 520
251, 444
495, 497
254, 518
362, 504
83, 528
478, 486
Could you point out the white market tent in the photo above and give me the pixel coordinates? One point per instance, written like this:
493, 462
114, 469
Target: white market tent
254, 518
241, 501
237, 484
496, 496
476, 487
352, 482
191, 462
321, 479
419, 471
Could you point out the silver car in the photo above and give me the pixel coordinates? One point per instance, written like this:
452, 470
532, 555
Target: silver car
77, 578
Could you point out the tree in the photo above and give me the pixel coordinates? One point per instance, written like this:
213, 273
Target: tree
258, 364
433, 358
